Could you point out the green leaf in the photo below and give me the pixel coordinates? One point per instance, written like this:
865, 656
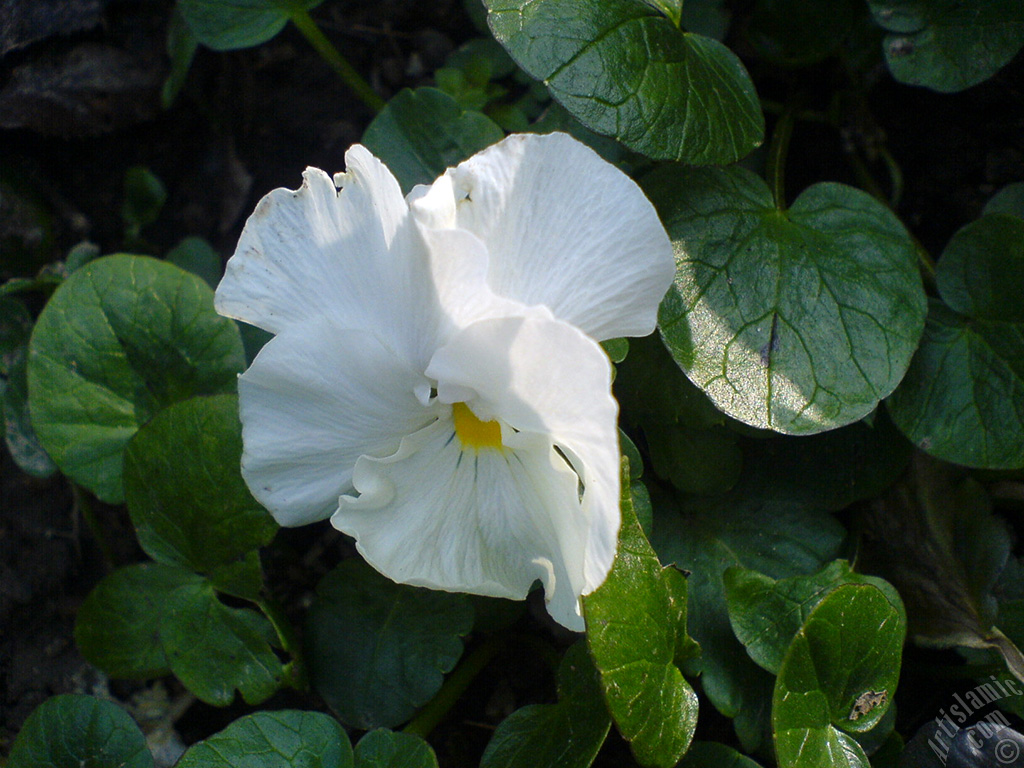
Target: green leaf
117, 628
563, 735
144, 197
801, 32
122, 338
949, 45
196, 255
181, 49
627, 71
708, 536
214, 649
767, 613
185, 491
838, 677
421, 132
387, 749
1009, 200
707, 754
963, 397
799, 320
226, 25
281, 739
72, 731
379, 650
636, 632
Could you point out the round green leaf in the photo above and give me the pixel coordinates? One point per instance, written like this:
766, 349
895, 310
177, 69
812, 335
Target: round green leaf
378, 650
122, 338
963, 397
387, 749
839, 674
636, 632
949, 45
799, 320
72, 731
567, 734
185, 491
281, 739
421, 132
117, 628
1009, 200
214, 649
625, 70
226, 25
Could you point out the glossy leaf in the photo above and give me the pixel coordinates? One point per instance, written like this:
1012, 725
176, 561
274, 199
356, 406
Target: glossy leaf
707, 754
389, 749
963, 397
280, 739
226, 25
185, 491
563, 735
625, 70
799, 320
708, 536
636, 632
379, 650
421, 132
767, 613
72, 731
838, 677
949, 45
122, 338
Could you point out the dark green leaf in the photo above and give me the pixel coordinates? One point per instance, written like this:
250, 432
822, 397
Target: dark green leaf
388, 749
122, 338
118, 625
280, 739
185, 491
196, 255
707, 754
144, 197
627, 71
226, 25
839, 675
73, 731
708, 536
949, 45
379, 650
963, 397
181, 49
563, 735
421, 132
636, 631
1008, 200
214, 649
799, 320
15, 327
767, 613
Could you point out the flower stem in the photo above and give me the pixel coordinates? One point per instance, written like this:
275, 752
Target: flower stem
296, 669
434, 710
777, 152
301, 18
81, 502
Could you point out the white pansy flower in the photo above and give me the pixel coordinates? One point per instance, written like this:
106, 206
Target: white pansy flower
434, 384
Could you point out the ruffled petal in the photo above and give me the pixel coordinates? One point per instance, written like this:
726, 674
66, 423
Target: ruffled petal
352, 254
316, 399
563, 228
487, 522
544, 376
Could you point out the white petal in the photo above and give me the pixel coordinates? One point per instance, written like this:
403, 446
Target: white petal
544, 376
316, 399
353, 255
563, 228
487, 522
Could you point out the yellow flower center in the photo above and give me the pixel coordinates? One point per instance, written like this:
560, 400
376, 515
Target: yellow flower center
475, 433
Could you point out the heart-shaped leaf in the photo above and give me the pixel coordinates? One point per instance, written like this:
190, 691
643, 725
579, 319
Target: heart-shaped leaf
797, 320
379, 650
567, 734
227, 25
636, 632
387, 749
120, 339
625, 70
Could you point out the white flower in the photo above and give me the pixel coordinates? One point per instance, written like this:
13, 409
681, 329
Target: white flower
435, 384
